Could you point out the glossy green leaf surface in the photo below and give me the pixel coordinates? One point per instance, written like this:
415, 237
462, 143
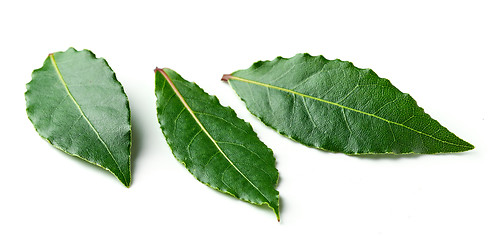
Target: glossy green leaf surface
76, 103
218, 148
335, 106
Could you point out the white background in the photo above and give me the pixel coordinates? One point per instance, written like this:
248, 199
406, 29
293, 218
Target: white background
438, 51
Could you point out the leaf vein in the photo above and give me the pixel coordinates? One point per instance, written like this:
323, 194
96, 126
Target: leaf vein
342, 106
176, 119
346, 121
192, 113
308, 78
215, 116
62, 80
309, 114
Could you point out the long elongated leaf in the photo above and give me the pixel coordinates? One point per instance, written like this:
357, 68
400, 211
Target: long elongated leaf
335, 106
76, 103
219, 149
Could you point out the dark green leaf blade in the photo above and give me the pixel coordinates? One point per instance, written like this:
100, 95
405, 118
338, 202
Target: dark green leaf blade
335, 106
76, 103
218, 148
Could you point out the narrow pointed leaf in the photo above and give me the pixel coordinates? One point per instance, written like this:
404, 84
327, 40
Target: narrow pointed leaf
76, 103
335, 106
219, 149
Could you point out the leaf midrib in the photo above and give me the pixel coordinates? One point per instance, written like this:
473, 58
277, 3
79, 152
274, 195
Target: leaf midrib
62, 80
192, 113
230, 77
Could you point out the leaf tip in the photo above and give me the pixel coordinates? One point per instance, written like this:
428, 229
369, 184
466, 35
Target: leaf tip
226, 77
125, 181
277, 215
470, 147
276, 211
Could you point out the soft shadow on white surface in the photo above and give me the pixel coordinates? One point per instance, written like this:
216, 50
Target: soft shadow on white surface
438, 51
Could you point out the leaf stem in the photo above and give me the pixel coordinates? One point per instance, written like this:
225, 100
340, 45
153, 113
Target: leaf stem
226, 77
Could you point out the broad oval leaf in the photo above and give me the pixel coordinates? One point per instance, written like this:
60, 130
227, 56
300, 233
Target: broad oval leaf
335, 106
218, 148
76, 103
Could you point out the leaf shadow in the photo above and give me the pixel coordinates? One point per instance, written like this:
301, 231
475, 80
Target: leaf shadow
136, 146
382, 157
395, 157
377, 156
262, 208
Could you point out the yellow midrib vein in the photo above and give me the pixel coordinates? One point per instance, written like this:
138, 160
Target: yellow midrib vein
62, 80
192, 113
230, 77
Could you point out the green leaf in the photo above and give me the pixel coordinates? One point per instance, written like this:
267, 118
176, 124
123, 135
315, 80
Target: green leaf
75, 102
335, 106
219, 149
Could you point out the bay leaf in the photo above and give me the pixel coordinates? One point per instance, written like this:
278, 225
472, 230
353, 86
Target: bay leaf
76, 103
218, 148
335, 106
